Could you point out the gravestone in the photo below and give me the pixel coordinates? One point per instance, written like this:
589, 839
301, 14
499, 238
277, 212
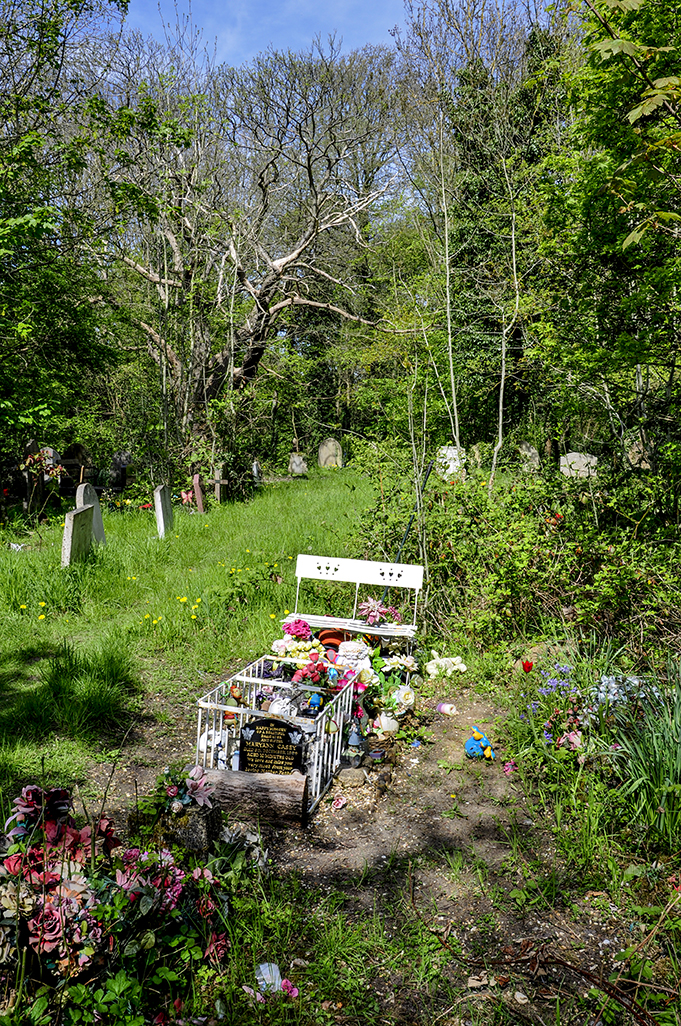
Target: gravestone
638, 457
163, 510
529, 458
257, 473
118, 470
297, 464
578, 464
221, 483
198, 494
450, 461
330, 453
77, 540
87, 496
270, 746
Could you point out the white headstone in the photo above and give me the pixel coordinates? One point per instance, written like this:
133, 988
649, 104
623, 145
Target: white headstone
578, 464
257, 473
77, 540
87, 496
297, 464
163, 509
330, 453
450, 461
529, 457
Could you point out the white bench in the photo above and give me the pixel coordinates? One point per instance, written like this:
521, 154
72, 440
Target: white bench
358, 571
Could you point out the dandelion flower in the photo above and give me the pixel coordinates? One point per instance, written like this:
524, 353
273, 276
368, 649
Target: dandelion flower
195, 607
42, 603
183, 599
193, 616
154, 621
198, 600
42, 616
286, 612
147, 616
273, 616
22, 607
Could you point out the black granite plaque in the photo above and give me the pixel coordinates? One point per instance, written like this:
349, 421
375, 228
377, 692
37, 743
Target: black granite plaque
270, 746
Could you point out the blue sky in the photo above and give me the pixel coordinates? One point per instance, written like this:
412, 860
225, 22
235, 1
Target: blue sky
242, 29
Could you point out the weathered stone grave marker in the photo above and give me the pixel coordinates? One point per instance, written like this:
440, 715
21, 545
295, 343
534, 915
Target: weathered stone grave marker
450, 461
270, 746
297, 464
163, 509
330, 453
529, 458
77, 540
87, 496
578, 464
196, 481
257, 473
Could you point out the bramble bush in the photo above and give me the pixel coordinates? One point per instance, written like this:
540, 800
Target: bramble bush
542, 556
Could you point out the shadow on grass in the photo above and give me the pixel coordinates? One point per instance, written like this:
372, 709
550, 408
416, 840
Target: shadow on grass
63, 697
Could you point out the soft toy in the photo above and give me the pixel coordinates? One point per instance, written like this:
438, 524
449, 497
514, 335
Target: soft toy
478, 746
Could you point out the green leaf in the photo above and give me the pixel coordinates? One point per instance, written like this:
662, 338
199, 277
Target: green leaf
647, 106
610, 47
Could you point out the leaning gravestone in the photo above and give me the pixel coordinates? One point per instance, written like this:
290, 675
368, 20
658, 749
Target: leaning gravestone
87, 496
578, 464
77, 540
330, 453
450, 461
257, 473
163, 509
529, 458
297, 464
270, 746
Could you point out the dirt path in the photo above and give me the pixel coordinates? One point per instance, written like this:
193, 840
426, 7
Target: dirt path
453, 837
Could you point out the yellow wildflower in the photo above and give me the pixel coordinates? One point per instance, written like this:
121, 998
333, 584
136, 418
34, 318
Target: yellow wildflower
42, 616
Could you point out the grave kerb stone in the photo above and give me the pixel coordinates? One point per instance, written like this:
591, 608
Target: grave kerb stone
77, 540
87, 496
163, 510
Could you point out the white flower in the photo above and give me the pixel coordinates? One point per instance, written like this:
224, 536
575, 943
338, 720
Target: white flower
176, 808
404, 696
279, 646
438, 667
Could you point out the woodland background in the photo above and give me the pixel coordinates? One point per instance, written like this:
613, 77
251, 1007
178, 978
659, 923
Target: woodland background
471, 237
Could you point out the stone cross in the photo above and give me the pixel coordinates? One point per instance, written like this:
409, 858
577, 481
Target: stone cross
578, 464
77, 540
163, 509
87, 496
196, 481
330, 453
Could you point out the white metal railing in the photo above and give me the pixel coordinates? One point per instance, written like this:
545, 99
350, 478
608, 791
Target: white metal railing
219, 725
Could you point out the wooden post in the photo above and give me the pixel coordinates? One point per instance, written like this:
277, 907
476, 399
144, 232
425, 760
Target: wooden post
196, 480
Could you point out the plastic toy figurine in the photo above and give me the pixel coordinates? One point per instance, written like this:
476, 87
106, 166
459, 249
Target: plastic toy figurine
479, 746
316, 702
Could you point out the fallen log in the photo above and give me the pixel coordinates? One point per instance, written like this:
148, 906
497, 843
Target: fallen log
264, 796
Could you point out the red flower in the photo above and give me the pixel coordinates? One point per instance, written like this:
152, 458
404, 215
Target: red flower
171, 791
527, 665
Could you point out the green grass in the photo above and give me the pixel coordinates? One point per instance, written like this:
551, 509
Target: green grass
81, 644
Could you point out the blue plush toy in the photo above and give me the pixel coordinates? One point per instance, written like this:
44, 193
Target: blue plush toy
478, 746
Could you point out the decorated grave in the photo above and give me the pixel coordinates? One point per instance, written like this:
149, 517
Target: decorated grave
331, 691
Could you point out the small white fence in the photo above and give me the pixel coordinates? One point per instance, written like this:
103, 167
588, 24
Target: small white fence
220, 723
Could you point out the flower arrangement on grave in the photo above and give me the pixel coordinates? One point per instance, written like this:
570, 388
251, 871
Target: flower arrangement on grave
177, 791
374, 612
